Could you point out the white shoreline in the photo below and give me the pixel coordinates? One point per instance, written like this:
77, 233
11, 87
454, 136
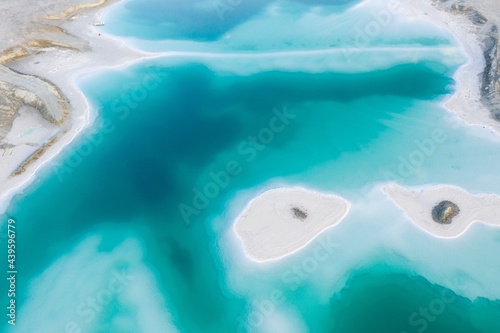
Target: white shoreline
82, 113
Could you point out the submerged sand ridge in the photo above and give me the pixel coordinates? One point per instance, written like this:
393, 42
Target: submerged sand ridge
281, 221
445, 211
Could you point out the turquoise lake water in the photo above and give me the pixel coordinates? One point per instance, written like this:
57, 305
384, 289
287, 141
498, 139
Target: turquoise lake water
106, 243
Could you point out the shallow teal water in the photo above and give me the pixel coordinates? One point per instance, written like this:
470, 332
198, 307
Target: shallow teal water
167, 134
195, 19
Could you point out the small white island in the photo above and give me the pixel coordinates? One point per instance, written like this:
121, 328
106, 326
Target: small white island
282, 221
419, 204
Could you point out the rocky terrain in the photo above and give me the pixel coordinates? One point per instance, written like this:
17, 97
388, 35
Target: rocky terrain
19, 89
444, 212
484, 17
38, 30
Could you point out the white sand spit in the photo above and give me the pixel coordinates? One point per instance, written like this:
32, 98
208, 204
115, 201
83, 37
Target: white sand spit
418, 204
282, 221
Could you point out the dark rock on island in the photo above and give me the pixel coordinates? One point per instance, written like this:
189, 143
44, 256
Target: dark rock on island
299, 214
444, 212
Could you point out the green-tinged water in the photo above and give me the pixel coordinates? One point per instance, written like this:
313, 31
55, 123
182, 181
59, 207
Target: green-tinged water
131, 229
379, 300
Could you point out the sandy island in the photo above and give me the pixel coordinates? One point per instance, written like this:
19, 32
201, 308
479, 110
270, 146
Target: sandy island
282, 221
459, 209
476, 101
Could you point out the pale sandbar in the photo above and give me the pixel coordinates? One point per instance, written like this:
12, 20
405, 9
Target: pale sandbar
419, 203
282, 221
